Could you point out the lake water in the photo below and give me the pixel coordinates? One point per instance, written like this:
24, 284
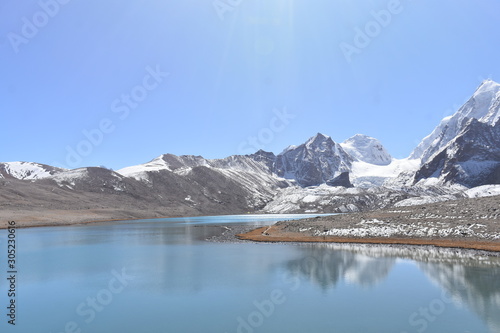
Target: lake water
163, 276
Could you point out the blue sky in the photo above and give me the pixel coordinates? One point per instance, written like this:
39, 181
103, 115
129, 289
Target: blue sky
117, 83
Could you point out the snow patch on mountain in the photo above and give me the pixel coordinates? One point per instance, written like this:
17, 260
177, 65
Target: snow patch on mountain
69, 178
366, 175
27, 170
139, 172
169, 162
366, 149
258, 162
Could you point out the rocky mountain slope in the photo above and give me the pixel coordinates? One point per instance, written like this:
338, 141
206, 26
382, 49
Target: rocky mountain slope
484, 105
320, 160
463, 149
471, 159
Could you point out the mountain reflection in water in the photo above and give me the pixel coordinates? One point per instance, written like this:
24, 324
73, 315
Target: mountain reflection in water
472, 279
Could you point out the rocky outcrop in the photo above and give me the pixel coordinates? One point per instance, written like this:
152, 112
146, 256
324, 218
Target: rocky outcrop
471, 159
319, 160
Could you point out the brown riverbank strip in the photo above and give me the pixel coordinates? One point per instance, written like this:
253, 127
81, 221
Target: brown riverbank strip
274, 234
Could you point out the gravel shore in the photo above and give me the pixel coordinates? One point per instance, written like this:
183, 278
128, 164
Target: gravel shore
233, 234
467, 223
229, 233
46, 218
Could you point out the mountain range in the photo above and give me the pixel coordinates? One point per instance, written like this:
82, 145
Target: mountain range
320, 175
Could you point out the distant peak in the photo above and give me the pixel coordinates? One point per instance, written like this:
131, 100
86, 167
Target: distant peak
318, 138
487, 86
361, 140
367, 149
359, 137
489, 81
321, 135
262, 152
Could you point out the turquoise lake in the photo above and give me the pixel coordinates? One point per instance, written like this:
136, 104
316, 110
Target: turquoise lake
162, 275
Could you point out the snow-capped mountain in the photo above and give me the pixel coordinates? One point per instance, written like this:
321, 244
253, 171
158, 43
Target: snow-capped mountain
92, 179
319, 160
484, 105
372, 165
167, 162
366, 149
27, 170
463, 149
471, 159
260, 162
248, 179
317, 176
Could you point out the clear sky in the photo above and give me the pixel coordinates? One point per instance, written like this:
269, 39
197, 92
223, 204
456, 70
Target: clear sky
117, 83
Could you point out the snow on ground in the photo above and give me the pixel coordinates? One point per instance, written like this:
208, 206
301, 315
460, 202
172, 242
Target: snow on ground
483, 191
377, 228
456, 191
424, 200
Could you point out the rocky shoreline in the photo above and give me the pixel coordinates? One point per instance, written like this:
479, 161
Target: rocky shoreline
467, 223
234, 234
